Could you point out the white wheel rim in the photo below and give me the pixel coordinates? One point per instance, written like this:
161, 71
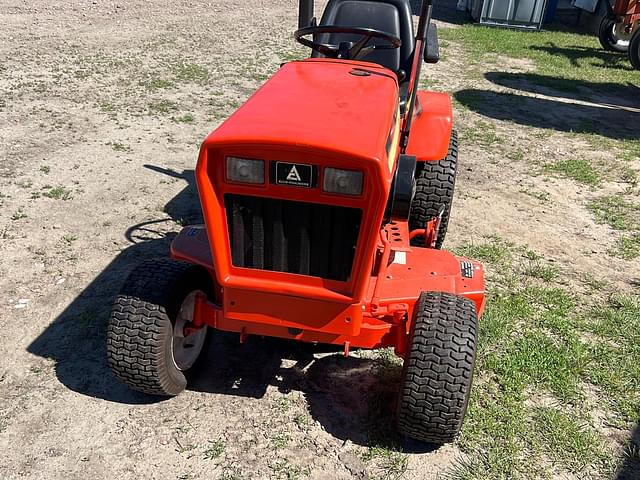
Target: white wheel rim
186, 350
621, 37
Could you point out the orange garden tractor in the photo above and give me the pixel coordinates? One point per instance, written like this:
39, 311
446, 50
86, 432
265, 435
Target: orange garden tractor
326, 199
620, 29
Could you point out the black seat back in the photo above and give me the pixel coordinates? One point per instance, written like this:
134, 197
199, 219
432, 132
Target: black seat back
391, 16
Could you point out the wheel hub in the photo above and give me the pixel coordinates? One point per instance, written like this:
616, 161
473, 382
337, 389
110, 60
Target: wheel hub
186, 348
620, 35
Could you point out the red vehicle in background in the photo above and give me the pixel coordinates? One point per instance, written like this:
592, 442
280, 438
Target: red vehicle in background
619, 30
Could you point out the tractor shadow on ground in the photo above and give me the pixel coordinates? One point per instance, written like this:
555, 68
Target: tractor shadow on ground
75, 340
630, 469
562, 105
352, 398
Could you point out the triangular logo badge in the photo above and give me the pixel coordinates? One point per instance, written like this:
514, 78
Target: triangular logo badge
294, 176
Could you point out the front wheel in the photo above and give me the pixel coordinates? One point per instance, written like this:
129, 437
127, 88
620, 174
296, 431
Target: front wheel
634, 49
438, 368
612, 35
148, 346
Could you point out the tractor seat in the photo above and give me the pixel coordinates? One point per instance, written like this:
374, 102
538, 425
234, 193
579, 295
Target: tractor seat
391, 16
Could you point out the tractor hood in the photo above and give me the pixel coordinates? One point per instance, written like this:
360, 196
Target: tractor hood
337, 106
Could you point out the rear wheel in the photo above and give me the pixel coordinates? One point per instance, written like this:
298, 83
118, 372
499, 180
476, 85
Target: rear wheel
634, 49
612, 35
147, 347
438, 368
435, 183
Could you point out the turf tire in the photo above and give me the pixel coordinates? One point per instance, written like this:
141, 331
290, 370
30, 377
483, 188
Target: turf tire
438, 368
435, 182
140, 329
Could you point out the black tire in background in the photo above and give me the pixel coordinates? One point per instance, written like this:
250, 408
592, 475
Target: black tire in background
435, 183
140, 334
608, 38
438, 368
634, 49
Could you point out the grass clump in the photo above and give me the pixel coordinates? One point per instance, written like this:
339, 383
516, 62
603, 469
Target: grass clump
579, 170
566, 440
494, 251
163, 107
155, 84
627, 247
190, 72
215, 449
58, 193
617, 212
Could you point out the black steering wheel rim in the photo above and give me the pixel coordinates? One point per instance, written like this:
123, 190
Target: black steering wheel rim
333, 51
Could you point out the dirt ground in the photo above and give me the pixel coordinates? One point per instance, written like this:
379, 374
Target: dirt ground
102, 108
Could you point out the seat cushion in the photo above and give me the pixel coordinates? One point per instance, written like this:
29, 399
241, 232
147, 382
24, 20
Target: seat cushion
390, 16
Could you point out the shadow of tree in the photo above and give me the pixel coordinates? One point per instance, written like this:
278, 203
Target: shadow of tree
559, 113
599, 57
609, 93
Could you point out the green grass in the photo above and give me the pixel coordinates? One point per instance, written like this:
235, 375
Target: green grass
616, 211
162, 107
216, 449
392, 463
493, 251
155, 84
576, 169
57, 193
190, 72
566, 439
186, 118
480, 133
287, 471
564, 56
19, 215
623, 214
119, 146
542, 353
627, 247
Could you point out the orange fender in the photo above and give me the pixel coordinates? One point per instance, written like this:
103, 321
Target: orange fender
431, 126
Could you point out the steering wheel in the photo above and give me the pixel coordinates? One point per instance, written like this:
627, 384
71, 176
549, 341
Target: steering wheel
346, 50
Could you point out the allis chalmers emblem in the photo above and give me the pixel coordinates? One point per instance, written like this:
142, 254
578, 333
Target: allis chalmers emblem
296, 174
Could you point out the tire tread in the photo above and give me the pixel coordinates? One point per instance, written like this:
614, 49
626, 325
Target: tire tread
435, 185
139, 325
438, 368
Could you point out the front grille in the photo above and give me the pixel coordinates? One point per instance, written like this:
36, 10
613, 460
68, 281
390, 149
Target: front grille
292, 237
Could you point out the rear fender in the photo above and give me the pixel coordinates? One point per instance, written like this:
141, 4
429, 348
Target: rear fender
431, 127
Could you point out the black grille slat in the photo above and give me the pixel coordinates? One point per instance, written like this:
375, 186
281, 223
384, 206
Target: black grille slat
236, 228
294, 237
321, 235
275, 239
257, 233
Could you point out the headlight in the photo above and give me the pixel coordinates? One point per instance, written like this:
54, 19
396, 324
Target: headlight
245, 170
346, 182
